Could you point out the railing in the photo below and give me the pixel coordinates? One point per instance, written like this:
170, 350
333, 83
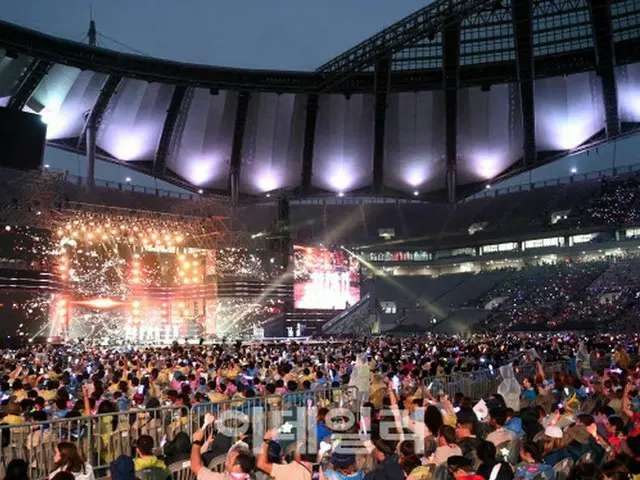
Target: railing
102, 438
554, 182
129, 187
362, 303
484, 383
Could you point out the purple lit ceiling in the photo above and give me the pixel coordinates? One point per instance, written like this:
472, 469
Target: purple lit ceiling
188, 137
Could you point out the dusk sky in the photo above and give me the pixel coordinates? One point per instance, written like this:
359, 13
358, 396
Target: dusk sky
283, 34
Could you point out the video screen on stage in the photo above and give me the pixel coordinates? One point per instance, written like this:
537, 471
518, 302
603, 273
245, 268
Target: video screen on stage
325, 279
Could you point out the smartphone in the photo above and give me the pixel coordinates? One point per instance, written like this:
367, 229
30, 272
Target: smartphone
140, 389
395, 382
315, 471
324, 447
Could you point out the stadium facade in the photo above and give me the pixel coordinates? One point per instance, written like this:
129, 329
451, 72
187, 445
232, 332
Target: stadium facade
455, 96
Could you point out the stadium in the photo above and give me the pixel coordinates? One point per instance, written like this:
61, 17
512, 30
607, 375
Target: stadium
345, 161
336, 274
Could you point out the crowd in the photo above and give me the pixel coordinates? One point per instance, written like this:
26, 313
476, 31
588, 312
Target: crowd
566, 296
618, 203
376, 409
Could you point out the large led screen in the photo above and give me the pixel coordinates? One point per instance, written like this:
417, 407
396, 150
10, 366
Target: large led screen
325, 279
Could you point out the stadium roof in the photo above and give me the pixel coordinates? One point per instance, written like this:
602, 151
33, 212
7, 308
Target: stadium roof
456, 95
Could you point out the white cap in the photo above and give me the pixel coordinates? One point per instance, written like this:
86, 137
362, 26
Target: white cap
553, 432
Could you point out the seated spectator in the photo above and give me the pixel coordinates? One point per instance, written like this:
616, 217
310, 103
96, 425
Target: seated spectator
529, 389
14, 414
498, 419
63, 476
68, 459
40, 432
145, 457
500, 471
555, 447
343, 467
414, 470
17, 469
447, 446
239, 465
122, 468
487, 458
585, 471
177, 449
615, 470
467, 441
301, 468
460, 468
388, 466
532, 465
514, 424
581, 442
322, 431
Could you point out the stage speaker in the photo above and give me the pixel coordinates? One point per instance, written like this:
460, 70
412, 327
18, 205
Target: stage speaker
22, 140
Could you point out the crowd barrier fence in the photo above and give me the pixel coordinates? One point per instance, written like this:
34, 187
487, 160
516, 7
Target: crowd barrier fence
484, 383
103, 437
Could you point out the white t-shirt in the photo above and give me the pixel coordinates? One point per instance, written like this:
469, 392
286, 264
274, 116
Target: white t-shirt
87, 474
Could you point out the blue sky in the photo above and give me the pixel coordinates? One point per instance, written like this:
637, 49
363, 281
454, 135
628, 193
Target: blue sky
285, 34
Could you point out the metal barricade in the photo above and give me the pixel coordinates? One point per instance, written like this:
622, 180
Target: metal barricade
484, 383
267, 412
100, 438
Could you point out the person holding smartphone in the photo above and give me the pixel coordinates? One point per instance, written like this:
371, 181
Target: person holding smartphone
302, 468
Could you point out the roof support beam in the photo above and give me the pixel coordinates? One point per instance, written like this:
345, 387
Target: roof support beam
236, 146
600, 11
450, 81
522, 13
310, 121
102, 102
382, 83
89, 132
168, 129
30, 81
413, 28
